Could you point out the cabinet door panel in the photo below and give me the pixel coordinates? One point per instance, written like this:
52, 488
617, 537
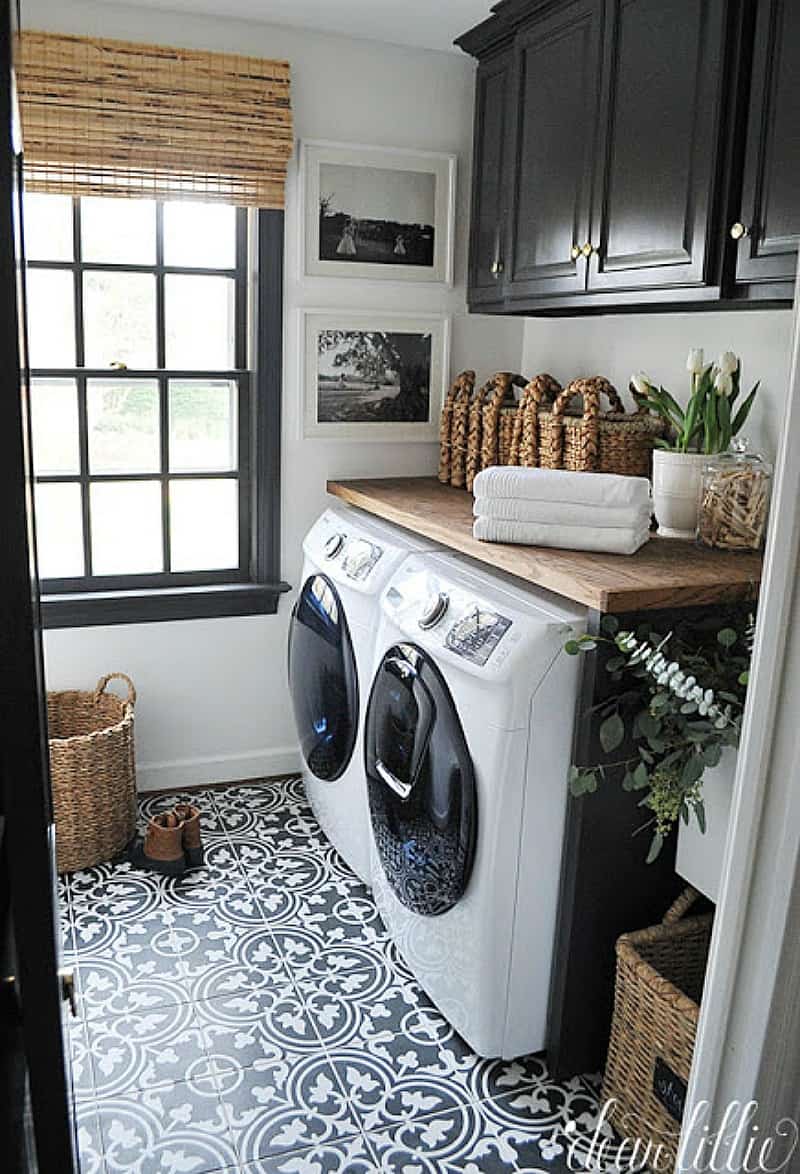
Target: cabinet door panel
557, 91
771, 190
653, 190
490, 179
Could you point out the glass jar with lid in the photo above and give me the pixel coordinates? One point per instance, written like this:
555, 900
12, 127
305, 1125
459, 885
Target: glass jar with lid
734, 500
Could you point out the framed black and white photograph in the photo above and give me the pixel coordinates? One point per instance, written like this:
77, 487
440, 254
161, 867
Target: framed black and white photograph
373, 375
381, 213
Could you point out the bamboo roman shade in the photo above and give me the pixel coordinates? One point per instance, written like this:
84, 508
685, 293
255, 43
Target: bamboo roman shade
114, 118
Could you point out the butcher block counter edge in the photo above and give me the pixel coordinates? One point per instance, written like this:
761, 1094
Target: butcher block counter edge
665, 573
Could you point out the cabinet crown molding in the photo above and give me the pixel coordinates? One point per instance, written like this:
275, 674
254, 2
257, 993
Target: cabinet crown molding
499, 28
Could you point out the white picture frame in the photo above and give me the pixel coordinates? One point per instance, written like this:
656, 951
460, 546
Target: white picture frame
379, 223
332, 341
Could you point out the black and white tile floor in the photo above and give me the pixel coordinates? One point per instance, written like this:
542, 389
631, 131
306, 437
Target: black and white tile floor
253, 1017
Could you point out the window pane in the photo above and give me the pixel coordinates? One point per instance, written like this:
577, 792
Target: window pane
202, 425
200, 234
59, 531
199, 321
118, 231
126, 527
54, 422
123, 425
204, 525
51, 318
47, 222
119, 312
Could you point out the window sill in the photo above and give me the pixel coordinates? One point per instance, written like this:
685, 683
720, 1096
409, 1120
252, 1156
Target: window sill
83, 610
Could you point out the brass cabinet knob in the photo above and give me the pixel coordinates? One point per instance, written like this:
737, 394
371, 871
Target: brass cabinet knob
497, 267
739, 230
575, 252
588, 249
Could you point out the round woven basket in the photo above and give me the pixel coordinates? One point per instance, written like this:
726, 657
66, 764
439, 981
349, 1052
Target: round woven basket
92, 773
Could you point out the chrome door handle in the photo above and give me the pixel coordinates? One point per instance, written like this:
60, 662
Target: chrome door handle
397, 785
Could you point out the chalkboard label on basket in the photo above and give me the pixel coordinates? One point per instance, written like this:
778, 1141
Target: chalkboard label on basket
669, 1089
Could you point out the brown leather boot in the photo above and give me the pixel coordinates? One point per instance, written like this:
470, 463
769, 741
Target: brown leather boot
162, 848
189, 815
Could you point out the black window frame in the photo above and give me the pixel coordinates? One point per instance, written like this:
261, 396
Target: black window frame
255, 587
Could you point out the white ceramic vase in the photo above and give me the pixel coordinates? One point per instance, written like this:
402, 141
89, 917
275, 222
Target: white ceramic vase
676, 491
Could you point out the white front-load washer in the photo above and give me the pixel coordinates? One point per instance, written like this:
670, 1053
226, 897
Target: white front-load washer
467, 744
348, 559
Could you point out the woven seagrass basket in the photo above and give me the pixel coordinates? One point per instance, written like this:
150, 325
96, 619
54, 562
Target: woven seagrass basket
496, 430
495, 425
454, 429
92, 773
585, 439
660, 976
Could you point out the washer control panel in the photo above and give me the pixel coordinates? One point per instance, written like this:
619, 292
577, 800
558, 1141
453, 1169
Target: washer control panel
476, 634
360, 557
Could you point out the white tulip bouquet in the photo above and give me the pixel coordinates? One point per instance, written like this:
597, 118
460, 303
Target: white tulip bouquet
708, 422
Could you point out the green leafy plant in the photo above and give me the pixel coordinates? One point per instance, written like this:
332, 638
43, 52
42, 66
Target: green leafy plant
679, 705
708, 423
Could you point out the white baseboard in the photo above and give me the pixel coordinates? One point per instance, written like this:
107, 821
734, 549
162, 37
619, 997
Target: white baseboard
197, 772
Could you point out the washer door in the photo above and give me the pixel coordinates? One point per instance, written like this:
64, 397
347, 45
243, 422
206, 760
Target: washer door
323, 679
421, 782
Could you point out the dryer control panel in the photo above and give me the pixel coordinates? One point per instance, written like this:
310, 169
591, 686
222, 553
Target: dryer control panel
360, 556
476, 634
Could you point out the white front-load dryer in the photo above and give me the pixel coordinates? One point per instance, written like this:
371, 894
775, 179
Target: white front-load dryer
467, 748
348, 559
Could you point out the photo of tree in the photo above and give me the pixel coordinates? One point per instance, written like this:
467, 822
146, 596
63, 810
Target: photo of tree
366, 376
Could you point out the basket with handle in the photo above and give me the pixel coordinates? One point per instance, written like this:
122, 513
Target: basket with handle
587, 439
659, 986
496, 420
454, 429
537, 399
92, 772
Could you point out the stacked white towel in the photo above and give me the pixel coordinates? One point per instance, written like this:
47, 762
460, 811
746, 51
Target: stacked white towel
573, 511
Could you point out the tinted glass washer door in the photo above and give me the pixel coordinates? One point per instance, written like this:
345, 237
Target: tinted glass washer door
323, 679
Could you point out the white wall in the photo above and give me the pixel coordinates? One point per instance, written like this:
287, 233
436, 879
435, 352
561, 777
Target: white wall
213, 701
620, 344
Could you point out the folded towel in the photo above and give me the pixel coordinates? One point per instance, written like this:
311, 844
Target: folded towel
566, 513
598, 538
607, 489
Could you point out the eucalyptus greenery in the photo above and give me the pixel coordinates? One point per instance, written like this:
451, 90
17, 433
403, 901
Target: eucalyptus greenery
710, 419
680, 703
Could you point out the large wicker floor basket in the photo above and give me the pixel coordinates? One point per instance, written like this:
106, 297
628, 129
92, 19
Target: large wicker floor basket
92, 773
660, 975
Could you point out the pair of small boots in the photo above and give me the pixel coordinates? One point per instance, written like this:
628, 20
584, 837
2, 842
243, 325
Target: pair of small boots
172, 842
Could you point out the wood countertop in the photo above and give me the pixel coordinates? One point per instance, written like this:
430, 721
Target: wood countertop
665, 573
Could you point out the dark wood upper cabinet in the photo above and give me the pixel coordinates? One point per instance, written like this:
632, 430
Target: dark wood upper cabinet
491, 178
653, 193
768, 228
610, 179
556, 90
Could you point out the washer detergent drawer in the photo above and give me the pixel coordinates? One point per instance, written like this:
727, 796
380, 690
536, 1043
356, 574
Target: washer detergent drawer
323, 680
420, 781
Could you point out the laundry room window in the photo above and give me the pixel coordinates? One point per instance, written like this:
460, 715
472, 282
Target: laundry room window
154, 333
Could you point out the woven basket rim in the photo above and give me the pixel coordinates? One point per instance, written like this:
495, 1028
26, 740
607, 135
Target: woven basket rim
115, 727
646, 973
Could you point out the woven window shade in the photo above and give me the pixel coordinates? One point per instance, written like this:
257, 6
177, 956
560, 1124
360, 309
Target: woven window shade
114, 118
